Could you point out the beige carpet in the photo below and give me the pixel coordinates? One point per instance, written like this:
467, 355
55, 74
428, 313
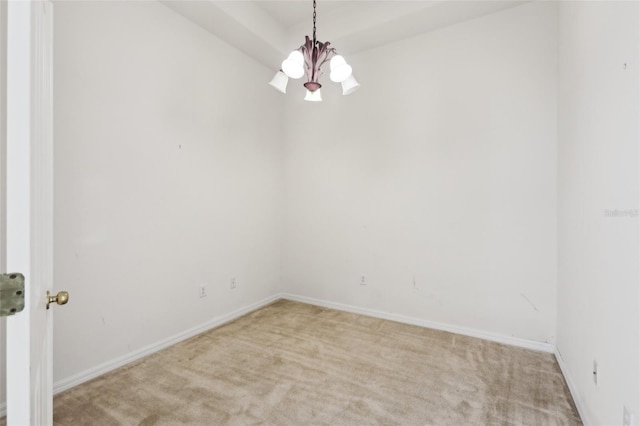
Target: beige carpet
296, 364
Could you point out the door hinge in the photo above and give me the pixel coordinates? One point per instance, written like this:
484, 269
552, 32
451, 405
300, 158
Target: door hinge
11, 294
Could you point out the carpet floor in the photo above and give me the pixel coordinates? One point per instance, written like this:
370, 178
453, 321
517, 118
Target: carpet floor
295, 364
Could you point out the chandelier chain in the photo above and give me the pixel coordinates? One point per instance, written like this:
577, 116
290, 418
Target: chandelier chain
314, 23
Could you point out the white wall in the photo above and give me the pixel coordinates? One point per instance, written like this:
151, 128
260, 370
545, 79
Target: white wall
598, 171
436, 181
167, 176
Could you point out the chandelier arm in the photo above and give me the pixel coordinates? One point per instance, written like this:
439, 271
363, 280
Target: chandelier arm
308, 67
329, 53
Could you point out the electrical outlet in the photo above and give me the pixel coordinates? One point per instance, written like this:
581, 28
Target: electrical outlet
595, 372
202, 291
627, 417
232, 283
363, 280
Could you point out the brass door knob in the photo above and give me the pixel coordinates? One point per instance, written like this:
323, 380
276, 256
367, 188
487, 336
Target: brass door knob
61, 298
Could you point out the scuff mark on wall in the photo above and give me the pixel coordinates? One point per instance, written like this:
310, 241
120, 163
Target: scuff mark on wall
530, 302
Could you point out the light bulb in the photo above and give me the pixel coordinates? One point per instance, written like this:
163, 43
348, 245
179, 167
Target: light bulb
293, 65
340, 70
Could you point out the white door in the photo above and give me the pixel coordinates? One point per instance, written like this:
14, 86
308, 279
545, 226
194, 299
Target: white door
29, 201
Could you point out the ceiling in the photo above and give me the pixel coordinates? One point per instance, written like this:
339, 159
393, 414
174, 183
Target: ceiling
288, 13
268, 30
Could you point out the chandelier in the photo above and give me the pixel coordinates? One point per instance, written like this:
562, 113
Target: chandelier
308, 60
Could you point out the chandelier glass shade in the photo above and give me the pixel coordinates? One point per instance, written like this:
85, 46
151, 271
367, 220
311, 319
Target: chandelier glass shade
308, 60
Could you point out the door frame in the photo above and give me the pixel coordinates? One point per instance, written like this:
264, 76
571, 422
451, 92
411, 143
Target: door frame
28, 164
3, 180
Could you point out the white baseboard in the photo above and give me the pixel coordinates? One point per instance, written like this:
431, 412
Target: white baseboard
101, 369
573, 389
494, 337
